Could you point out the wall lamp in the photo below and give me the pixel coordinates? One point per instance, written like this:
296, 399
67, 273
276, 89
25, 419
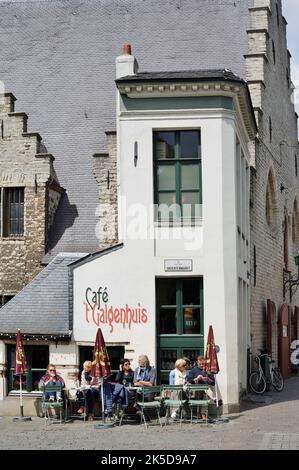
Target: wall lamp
135, 154
284, 142
292, 281
283, 188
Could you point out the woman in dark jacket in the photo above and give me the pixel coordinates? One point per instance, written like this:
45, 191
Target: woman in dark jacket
125, 376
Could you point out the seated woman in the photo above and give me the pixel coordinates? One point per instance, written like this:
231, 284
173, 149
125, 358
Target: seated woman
52, 378
125, 375
177, 377
92, 387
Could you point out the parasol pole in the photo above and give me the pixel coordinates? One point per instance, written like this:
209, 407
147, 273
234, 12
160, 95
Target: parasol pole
20, 369
102, 397
21, 399
219, 419
217, 398
101, 369
103, 424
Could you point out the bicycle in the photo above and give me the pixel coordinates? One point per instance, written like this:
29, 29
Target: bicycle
258, 381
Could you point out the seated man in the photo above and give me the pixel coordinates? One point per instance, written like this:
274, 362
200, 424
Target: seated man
199, 376
52, 378
144, 376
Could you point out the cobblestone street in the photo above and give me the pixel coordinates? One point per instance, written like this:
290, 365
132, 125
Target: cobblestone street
273, 425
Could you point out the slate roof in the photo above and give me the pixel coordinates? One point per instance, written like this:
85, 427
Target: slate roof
58, 58
182, 75
43, 307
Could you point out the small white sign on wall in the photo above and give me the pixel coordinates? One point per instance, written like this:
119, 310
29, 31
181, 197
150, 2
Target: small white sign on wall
284, 331
178, 265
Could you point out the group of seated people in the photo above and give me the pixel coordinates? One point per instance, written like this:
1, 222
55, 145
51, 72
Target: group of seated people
118, 390
197, 375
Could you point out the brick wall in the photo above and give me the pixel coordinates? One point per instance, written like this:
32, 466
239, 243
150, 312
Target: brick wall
271, 95
23, 165
105, 172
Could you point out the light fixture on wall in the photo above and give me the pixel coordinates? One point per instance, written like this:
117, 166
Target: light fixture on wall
292, 281
135, 153
284, 142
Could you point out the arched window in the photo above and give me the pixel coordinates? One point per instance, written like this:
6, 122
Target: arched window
286, 241
273, 52
295, 222
271, 203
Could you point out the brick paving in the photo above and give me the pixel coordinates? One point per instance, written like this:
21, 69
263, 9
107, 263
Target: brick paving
270, 425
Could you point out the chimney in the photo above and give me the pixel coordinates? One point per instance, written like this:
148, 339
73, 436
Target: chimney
126, 64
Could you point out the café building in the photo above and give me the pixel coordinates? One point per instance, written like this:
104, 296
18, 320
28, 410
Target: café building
182, 254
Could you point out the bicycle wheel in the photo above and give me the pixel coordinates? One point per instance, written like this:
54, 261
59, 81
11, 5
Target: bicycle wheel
257, 383
277, 380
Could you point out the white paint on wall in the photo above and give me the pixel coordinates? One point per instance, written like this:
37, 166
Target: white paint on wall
128, 274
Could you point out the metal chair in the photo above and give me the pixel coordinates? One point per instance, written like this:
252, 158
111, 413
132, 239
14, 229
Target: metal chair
173, 397
127, 414
48, 404
73, 404
199, 403
148, 401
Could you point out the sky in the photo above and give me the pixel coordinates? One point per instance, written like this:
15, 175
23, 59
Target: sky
291, 13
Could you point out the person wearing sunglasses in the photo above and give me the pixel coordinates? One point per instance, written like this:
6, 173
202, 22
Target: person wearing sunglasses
52, 378
125, 376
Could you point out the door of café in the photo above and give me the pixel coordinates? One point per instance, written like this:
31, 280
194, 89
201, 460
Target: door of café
179, 322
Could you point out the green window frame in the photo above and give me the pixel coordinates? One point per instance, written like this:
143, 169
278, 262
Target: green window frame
178, 173
36, 370
178, 342
183, 311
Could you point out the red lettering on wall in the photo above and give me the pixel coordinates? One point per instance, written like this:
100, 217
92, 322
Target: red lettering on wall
112, 316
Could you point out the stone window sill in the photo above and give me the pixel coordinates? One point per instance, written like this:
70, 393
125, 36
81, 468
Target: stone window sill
13, 239
16, 393
179, 223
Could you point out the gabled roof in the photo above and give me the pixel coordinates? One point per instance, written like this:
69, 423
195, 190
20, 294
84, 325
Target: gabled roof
58, 58
43, 307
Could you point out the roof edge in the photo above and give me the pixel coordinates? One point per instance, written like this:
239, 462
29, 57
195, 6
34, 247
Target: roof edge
95, 255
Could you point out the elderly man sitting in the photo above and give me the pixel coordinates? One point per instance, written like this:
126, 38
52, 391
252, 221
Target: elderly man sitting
144, 376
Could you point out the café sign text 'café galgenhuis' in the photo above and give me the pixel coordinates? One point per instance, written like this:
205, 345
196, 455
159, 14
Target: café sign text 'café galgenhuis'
99, 311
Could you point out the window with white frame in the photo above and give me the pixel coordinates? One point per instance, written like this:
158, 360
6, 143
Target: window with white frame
11, 212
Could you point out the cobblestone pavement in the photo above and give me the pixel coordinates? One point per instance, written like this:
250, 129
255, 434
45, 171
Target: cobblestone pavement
270, 425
